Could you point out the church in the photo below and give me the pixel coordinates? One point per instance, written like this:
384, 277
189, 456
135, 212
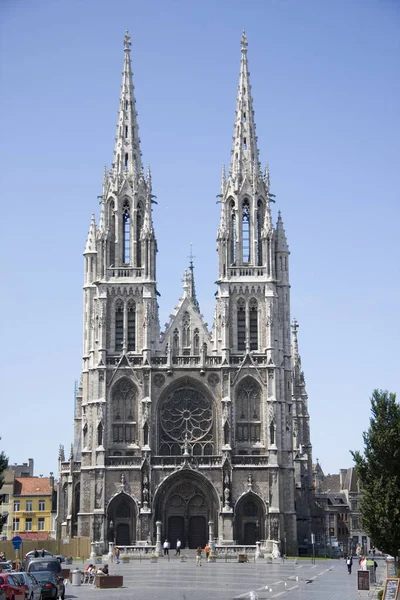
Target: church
189, 433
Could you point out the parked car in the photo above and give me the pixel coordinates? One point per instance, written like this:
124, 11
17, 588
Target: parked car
52, 585
6, 566
10, 587
33, 589
43, 564
43, 554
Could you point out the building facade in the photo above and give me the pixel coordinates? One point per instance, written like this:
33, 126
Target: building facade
205, 432
33, 508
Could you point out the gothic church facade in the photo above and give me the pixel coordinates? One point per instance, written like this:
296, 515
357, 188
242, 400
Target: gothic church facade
205, 432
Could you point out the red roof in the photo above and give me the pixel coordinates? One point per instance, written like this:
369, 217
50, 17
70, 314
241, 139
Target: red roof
33, 536
32, 486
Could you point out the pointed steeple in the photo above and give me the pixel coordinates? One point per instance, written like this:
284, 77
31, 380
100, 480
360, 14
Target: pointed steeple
280, 236
189, 289
295, 343
244, 152
127, 155
91, 239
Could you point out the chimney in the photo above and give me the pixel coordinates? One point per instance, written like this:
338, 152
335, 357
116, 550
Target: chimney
342, 477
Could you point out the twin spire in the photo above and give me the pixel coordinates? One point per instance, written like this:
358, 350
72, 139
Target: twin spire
127, 154
245, 159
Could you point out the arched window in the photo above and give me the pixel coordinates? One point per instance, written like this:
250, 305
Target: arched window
139, 225
131, 325
246, 232
272, 433
119, 325
111, 224
260, 221
126, 160
196, 342
176, 341
126, 233
186, 331
253, 318
124, 412
241, 325
248, 407
85, 436
233, 233
100, 434
145, 434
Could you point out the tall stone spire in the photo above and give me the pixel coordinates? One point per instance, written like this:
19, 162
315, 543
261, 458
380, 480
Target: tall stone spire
127, 154
244, 152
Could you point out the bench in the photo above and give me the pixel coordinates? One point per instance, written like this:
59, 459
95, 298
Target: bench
109, 581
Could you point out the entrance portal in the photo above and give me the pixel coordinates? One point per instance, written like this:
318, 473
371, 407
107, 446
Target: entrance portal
185, 503
122, 537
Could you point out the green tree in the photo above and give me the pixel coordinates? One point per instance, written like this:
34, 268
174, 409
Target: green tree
378, 469
3, 467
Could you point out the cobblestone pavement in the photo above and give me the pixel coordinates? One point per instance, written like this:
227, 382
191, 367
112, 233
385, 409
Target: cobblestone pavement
176, 580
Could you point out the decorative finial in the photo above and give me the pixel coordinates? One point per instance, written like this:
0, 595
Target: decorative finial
243, 41
191, 256
127, 41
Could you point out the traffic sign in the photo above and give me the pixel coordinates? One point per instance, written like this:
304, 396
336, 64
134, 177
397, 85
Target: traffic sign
16, 542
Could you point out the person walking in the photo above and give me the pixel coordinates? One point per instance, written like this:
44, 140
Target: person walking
207, 550
166, 548
178, 547
349, 563
116, 554
198, 556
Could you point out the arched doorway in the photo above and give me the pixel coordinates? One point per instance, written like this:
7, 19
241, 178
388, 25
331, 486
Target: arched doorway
185, 503
249, 520
122, 520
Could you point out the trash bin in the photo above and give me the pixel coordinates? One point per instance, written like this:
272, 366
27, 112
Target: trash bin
76, 577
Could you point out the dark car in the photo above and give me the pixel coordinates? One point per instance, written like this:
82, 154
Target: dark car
33, 589
43, 564
52, 585
6, 566
9, 586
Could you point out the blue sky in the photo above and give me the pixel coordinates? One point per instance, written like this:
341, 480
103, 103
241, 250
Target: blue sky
326, 95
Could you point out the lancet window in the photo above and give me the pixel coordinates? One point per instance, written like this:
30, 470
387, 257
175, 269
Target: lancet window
124, 409
126, 233
100, 434
176, 342
186, 331
241, 325
246, 232
196, 341
111, 224
139, 225
131, 321
119, 325
260, 220
248, 412
253, 322
233, 234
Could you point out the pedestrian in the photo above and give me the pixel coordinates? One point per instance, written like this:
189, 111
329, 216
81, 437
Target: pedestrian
36, 554
116, 554
198, 556
207, 550
178, 547
349, 563
43, 553
166, 548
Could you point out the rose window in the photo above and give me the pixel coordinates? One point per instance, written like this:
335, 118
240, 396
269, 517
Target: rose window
186, 417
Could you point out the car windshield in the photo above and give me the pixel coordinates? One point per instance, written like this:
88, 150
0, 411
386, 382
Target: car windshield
44, 565
19, 578
45, 576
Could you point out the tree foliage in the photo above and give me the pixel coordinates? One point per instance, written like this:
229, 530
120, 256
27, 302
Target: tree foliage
3, 467
378, 469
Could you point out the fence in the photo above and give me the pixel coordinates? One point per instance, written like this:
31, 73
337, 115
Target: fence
76, 547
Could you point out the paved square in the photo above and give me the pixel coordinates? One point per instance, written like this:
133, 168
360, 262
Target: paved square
176, 580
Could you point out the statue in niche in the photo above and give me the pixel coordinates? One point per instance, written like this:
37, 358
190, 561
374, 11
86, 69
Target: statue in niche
274, 529
98, 494
250, 481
